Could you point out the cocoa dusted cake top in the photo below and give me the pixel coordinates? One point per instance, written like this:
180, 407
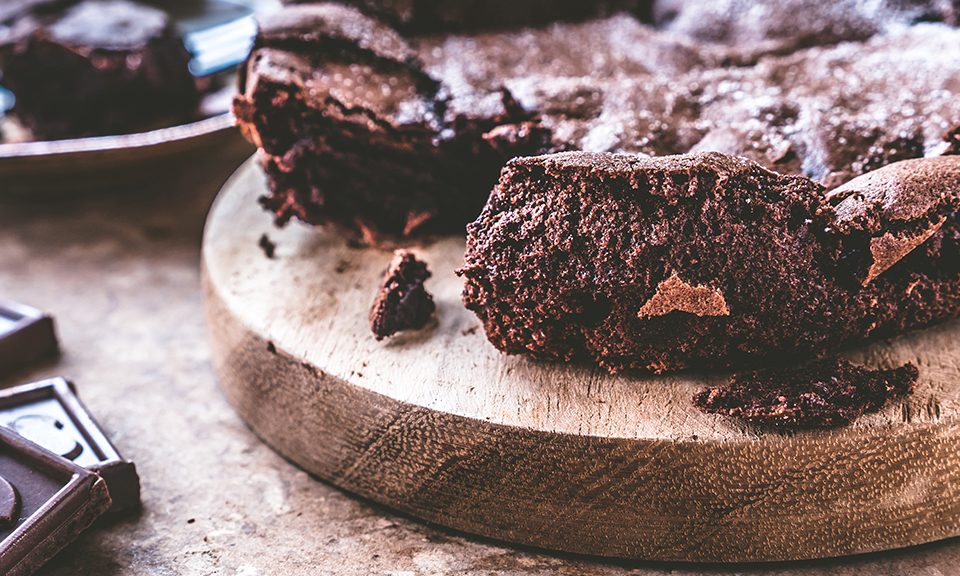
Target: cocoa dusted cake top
422, 123
901, 191
429, 16
117, 25
757, 27
333, 24
720, 166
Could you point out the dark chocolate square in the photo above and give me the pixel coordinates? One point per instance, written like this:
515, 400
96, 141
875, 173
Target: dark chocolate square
49, 413
48, 500
25, 335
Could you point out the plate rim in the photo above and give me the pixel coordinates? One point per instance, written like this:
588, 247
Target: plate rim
118, 142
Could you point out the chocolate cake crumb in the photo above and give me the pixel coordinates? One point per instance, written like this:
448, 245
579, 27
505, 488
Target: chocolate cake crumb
708, 260
402, 302
269, 248
827, 393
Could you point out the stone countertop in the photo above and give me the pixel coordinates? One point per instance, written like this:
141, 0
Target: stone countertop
120, 272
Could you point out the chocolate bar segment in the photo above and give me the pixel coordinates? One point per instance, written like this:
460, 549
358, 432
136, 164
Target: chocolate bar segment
9, 504
49, 414
25, 335
58, 499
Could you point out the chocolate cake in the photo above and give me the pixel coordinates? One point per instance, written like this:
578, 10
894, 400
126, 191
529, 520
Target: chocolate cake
389, 135
783, 26
402, 303
413, 17
827, 393
95, 67
708, 260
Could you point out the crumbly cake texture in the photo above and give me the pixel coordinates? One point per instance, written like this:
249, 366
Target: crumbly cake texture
356, 134
827, 393
388, 136
951, 141
95, 67
708, 260
772, 26
402, 303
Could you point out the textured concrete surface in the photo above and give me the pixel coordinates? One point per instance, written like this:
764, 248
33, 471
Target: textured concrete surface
120, 271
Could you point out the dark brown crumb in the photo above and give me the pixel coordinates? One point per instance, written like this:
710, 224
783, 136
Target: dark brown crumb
268, 246
402, 302
953, 139
828, 393
94, 68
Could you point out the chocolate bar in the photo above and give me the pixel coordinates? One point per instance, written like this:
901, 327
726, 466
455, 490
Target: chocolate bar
25, 334
47, 501
49, 413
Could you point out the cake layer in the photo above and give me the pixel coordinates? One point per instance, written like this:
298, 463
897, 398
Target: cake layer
97, 67
708, 260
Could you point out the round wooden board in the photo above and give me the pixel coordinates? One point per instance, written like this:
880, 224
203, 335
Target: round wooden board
439, 424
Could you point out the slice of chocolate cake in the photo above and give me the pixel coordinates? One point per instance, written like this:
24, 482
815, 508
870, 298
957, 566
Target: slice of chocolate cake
97, 67
827, 393
708, 260
388, 135
402, 302
356, 134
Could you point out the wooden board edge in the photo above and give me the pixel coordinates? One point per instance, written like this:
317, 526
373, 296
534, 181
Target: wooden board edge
779, 499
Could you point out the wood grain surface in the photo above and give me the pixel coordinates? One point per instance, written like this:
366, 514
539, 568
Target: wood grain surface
439, 424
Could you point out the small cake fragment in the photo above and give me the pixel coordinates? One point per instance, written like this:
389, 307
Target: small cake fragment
827, 393
952, 138
267, 245
402, 302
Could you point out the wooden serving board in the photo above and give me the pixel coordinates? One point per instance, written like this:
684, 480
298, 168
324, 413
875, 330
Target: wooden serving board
439, 424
